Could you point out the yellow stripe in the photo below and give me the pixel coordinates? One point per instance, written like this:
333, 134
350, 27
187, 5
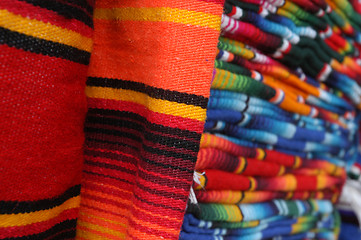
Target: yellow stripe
101, 229
46, 31
161, 14
297, 163
103, 219
155, 105
234, 213
21, 219
261, 154
289, 195
202, 184
241, 165
88, 210
233, 42
253, 184
281, 171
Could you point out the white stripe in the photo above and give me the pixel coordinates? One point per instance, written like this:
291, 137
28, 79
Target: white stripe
201, 224
225, 56
279, 207
325, 74
285, 45
238, 14
285, 207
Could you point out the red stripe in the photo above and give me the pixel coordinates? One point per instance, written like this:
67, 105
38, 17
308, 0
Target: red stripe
155, 173
169, 176
28, 10
163, 175
131, 166
160, 211
233, 12
147, 230
115, 148
118, 157
108, 180
101, 210
220, 2
108, 201
159, 186
107, 190
110, 173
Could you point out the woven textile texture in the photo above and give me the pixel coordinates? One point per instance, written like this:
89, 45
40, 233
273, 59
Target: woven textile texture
282, 127
44, 55
149, 78
134, 119
148, 83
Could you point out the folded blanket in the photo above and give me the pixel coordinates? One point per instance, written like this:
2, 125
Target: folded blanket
280, 227
221, 143
216, 159
234, 197
218, 180
258, 211
213, 158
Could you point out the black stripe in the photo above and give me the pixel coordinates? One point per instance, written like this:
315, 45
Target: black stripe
171, 167
241, 198
159, 93
63, 230
40, 46
172, 183
136, 117
15, 207
161, 139
158, 164
113, 133
242, 118
245, 166
205, 180
110, 166
82, 4
245, 109
107, 176
111, 142
64, 235
250, 184
163, 152
65, 10
109, 155
157, 204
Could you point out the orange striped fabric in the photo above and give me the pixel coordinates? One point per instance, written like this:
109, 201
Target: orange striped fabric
148, 86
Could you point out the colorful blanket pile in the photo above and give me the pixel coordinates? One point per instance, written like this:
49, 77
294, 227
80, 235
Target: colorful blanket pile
282, 122
103, 113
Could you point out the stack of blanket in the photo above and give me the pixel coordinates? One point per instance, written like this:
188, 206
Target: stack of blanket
282, 122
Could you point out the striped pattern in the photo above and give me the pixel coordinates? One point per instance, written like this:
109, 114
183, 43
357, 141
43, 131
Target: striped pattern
148, 87
45, 49
278, 132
